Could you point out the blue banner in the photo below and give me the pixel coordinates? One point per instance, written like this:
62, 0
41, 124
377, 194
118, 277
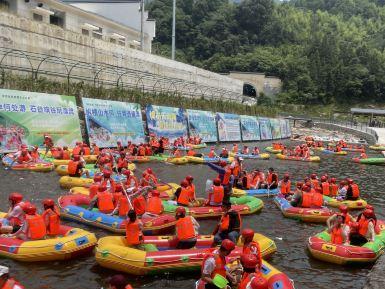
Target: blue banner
166, 121
228, 127
265, 128
250, 128
202, 124
111, 121
275, 128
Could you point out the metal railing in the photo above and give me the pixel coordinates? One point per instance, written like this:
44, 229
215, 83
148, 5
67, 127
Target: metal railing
70, 71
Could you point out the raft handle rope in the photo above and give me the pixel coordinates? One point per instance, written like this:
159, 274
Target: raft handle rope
42, 246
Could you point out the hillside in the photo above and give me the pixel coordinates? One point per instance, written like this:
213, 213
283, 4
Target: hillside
325, 51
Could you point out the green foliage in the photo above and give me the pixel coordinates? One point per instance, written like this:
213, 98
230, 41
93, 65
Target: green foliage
325, 51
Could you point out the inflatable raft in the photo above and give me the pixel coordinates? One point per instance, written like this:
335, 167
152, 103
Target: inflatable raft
62, 170
73, 208
273, 151
245, 205
293, 158
166, 191
354, 150
313, 215
71, 243
139, 159
177, 161
263, 156
358, 204
38, 166
254, 193
370, 161
342, 153
205, 160
112, 252
321, 248
377, 148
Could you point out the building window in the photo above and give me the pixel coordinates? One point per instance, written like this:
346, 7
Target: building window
57, 19
85, 32
112, 40
37, 17
4, 5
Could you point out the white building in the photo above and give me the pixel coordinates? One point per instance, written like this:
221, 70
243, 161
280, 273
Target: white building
117, 22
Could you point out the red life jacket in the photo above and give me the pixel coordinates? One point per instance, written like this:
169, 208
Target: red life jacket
336, 236
76, 150
307, 200
255, 249
363, 225
139, 204
53, 227
87, 151
333, 190
184, 228
317, 200
122, 163
66, 155
36, 227
270, 178
211, 154
124, 206
12, 284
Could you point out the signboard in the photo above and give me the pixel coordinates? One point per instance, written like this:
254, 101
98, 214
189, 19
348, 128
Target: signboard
250, 128
26, 116
202, 124
111, 121
275, 128
228, 127
166, 121
264, 127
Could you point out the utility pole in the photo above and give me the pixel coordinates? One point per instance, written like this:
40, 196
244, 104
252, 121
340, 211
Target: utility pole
173, 30
142, 25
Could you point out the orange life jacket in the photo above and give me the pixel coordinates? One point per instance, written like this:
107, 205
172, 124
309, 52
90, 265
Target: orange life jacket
122, 163
154, 205
148, 151
355, 191
307, 200
124, 206
315, 183
191, 189
285, 187
226, 177
246, 278
191, 153
249, 180
217, 194
94, 188
184, 197
36, 227
333, 190
184, 228
211, 154
76, 150
35, 154
142, 151
270, 178
66, 155
363, 224
317, 200
24, 158
133, 233
53, 227
235, 149
220, 263
72, 167
139, 204
87, 151
336, 236
253, 248
325, 188
236, 170
225, 223
95, 150
105, 202
132, 181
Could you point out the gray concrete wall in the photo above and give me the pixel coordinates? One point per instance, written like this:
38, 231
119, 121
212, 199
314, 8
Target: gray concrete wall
28, 35
367, 136
267, 84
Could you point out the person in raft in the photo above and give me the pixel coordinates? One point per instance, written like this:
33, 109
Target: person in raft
229, 226
216, 194
339, 232
118, 282
7, 282
186, 229
33, 227
134, 234
15, 217
365, 230
251, 276
76, 167
215, 263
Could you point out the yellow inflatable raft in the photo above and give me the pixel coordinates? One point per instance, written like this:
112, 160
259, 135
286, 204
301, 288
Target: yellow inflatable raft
177, 161
71, 243
67, 182
62, 170
112, 252
353, 205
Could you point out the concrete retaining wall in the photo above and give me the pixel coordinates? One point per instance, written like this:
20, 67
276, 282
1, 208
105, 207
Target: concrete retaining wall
367, 136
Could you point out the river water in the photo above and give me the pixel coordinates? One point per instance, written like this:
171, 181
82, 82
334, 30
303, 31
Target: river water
290, 235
